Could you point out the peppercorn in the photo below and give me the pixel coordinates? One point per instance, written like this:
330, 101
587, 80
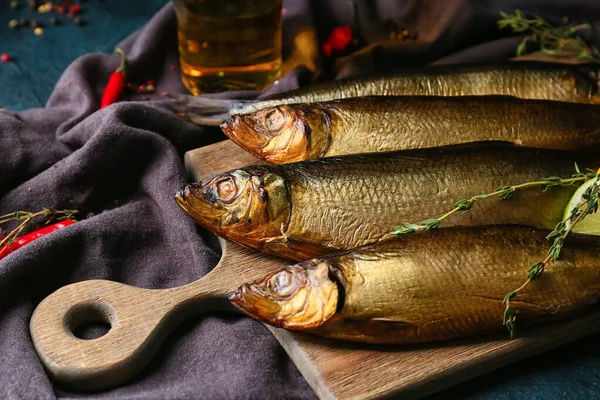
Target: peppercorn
15, 4
24, 23
54, 21
5, 58
13, 24
32, 4
35, 23
45, 8
38, 31
78, 21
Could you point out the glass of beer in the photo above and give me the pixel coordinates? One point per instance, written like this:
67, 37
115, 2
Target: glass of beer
228, 44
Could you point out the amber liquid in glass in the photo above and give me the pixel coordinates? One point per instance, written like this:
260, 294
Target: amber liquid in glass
228, 44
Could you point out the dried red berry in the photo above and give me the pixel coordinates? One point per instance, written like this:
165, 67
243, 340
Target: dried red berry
5, 58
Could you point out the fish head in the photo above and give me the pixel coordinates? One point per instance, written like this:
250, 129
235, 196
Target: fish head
300, 296
242, 204
281, 134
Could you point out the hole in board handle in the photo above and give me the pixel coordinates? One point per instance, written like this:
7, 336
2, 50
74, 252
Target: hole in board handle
90, 321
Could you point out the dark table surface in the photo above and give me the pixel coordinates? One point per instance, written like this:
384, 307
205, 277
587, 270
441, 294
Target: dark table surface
569, 372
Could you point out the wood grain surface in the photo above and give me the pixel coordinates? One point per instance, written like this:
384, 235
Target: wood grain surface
140, 319
339, 370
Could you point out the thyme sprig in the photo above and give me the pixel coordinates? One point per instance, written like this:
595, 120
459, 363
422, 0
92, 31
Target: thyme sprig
588, 205
550, 40
503, 193
23, 218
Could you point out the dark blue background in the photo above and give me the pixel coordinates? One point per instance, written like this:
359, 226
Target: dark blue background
566, 373
40, 60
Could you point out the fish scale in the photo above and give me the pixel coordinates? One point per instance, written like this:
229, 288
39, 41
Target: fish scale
395, 123
316, 207
450, 283
523, 80
343, 203
392, 123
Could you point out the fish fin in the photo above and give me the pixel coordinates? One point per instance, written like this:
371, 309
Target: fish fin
203, 110
207, 120
295, 249
368, 330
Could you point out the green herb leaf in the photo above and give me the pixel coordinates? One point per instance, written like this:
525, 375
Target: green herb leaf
463, 205
431, 223
535, 270
508, 297
522, 47
510, 318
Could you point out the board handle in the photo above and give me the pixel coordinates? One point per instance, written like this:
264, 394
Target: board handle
139, 320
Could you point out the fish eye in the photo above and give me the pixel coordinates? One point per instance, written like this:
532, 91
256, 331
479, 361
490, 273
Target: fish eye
226, 189
282, 284
274, 119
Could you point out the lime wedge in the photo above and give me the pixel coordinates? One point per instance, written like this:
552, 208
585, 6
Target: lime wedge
590, 225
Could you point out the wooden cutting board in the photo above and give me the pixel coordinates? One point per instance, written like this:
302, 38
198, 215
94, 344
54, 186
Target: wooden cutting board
340, 370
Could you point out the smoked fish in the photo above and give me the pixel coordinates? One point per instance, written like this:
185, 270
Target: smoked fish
428, 287
306, 209
298, 132
523, 79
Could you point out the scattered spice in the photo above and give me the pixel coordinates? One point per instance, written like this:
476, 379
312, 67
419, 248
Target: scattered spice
147, 87
32, 4
5, 58
38, 31
34, 23
77, 21
15, 5
116, 82
54, 21
74, 9
13, 24
45, 8
24, 22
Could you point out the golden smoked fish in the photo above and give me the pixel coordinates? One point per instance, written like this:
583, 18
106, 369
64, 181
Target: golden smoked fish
306, 209
297, 132
428, 287
523, 79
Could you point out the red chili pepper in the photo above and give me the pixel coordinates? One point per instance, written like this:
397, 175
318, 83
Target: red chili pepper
5, 58
30, 237
116, 83
338, 40
74, 9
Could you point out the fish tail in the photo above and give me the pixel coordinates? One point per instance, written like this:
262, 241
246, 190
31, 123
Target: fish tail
204, 110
